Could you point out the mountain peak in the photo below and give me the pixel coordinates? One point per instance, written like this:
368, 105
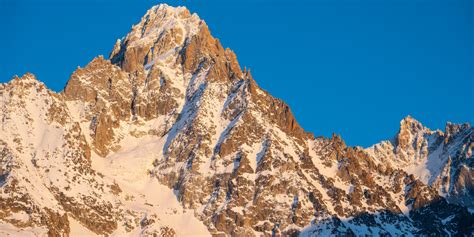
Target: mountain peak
164, 17
410, 128
162, 31
411, 124
453, 129
409, 120
163, 7
27, 77
28, 80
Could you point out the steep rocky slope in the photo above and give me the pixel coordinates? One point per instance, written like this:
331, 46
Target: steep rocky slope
47, 178
443, 160
171, 130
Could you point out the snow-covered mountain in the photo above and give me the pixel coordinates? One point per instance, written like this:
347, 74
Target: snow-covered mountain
442, 160
171, 137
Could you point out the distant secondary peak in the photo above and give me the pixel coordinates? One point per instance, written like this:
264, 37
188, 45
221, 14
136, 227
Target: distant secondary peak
26, 81
28, 76
453, 129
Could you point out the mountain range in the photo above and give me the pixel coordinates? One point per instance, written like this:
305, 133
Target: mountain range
170, 137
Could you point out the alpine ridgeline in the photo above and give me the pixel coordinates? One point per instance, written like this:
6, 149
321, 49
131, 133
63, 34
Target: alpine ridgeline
171, 137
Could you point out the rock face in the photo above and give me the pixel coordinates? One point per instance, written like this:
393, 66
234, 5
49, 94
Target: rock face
172, 107
46, 173
442, 160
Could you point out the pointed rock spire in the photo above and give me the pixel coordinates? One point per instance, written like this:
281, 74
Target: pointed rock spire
161, 31
409, 129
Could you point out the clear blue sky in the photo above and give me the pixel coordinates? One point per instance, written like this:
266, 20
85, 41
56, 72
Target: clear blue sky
354, 67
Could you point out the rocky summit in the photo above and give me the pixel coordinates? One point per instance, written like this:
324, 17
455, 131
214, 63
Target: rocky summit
170, 137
